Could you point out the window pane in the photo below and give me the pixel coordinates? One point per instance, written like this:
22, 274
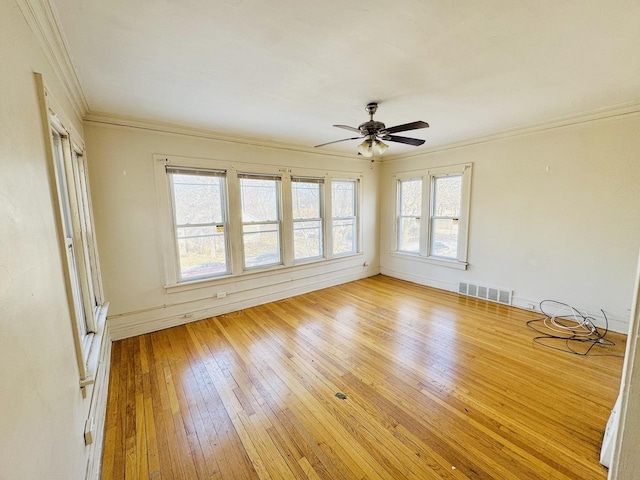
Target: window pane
447, 196
343, 198
307, 239
197, 199
411, 198
409, 234
305, 199
261, 245
343, 236
259, 200
445, 238
202, 252
63, 189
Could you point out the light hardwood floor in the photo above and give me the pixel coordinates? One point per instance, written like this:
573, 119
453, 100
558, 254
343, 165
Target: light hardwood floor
437, 385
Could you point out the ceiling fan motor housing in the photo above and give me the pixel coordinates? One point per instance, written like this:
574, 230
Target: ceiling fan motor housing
371, 127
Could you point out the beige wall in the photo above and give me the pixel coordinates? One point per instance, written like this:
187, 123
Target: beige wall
553, 216
42, 410
129, 238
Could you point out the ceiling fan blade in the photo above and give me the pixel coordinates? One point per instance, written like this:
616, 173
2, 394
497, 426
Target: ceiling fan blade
409, 141
336, 141
347, 127
404, 127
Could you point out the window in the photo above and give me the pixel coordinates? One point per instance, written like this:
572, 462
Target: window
344, 220
222, 219
200, 224
409, 206
84, 323
442, 194
307, 205
90, 248
82, 276
261, 226
445, 215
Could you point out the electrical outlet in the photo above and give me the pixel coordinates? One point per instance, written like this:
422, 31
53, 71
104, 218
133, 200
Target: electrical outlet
221, 294
531, 306
88, 431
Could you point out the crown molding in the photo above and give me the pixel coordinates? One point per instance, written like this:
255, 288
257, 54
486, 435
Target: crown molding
42, 20
621, 110
625, 109
149, 125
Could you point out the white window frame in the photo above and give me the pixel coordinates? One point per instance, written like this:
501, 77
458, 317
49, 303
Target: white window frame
428, 177
234, 217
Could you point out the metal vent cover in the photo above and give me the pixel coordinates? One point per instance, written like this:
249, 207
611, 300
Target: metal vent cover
493, 294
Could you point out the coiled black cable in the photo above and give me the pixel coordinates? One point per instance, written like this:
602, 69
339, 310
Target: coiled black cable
571, 327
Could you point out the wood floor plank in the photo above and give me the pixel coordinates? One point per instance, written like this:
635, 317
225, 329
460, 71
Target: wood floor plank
437, 385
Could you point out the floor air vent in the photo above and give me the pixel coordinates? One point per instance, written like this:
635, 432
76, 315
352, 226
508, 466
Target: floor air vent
492, 294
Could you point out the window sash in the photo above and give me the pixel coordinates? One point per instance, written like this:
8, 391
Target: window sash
403, 218
444, 248
316, 246
403, 246
216, 265
271, 256
337, 244
88, 236
344, 227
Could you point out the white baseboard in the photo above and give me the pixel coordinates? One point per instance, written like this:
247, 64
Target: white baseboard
420, 280
151, 320
616, 323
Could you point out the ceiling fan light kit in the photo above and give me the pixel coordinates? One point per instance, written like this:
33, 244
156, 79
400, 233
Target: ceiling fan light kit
373, 132
365, 149
380, 146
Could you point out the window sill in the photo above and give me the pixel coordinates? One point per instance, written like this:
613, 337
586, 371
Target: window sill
93, 358
255, 273
458, 265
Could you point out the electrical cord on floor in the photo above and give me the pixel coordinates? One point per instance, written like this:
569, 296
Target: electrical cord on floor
570, 327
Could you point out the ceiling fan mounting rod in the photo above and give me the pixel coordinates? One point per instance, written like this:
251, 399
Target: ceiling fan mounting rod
371, 109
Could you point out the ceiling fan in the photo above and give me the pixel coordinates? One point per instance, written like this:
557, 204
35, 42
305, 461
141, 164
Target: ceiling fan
374, 133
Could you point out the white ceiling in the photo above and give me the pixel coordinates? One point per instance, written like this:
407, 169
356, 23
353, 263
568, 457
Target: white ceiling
286, 70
